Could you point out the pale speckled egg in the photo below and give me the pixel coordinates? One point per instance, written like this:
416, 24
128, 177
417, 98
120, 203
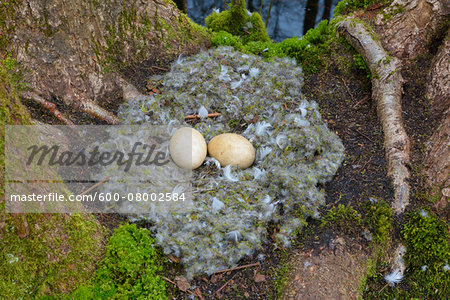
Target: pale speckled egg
232, 149
187, 148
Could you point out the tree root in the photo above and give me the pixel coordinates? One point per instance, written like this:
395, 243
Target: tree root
387, 92
94, 110
47, 105
88, 107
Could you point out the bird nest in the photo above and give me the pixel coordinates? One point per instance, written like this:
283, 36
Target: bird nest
295, 153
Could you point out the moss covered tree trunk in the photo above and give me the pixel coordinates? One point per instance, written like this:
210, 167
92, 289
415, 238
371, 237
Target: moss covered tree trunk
86, 53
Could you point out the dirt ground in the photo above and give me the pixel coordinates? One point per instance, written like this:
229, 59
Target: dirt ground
333, 273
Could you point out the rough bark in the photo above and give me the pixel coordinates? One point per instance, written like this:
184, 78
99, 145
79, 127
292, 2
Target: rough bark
438, 89
437, 162
77, 52
387, 92
409, 26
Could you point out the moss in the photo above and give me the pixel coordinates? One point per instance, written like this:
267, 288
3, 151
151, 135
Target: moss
133, 37
129, 269
267, 50
282, 277
427, 241
11, 109
7, 26
308, 51
249, 28
46, 254
361, 64
378, 220
427, 257
397, 9
347, 6
342, 218
223, 38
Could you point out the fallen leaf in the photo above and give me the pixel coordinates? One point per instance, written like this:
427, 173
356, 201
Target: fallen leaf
260, 278
182, 283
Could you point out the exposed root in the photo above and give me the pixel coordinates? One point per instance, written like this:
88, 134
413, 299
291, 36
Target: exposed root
88, 106
47, 105
129, 91
98, 112
386, 91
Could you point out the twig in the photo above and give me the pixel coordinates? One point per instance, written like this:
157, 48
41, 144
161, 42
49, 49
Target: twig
49, 106
348, 89
260, 9
387, 94
268, 14
365, 136
383, 288
159, 68
365, 164
223, 286
361, 101
211, 115
95, 185
237, 268
168, 280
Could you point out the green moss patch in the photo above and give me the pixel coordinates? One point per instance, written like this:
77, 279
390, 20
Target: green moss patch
44, 254
129, 269
309, 50
238, 22
427, 258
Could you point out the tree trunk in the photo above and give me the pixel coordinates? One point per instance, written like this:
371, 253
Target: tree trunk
407, 27
83, 52
437, 162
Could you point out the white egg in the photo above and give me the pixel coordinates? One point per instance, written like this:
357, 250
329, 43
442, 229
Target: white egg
187, 148
232, 149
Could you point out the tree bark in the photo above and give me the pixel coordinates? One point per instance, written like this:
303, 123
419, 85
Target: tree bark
407, 27
437, 162
78, 52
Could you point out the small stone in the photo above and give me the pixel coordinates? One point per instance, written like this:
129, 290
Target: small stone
232, 149
187, 148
